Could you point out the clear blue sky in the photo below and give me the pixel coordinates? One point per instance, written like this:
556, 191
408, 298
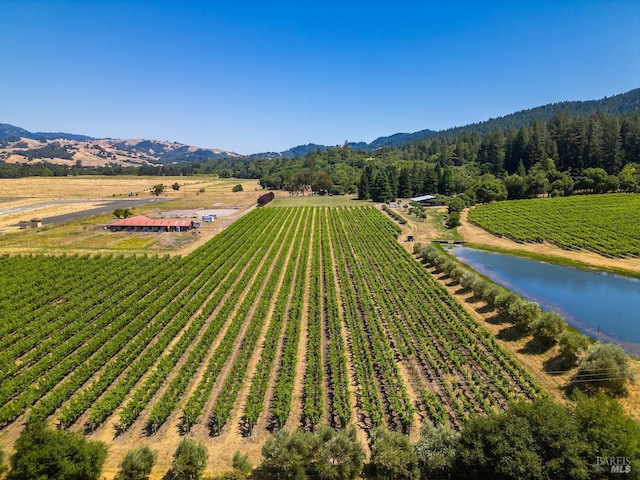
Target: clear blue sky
254, 76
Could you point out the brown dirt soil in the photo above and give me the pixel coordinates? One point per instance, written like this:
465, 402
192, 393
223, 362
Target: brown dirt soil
353, 380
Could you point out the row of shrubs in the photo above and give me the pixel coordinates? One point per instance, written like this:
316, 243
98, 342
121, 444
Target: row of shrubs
548, 328
396, 216
535, 440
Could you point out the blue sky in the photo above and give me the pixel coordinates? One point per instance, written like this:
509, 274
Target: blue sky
259, 76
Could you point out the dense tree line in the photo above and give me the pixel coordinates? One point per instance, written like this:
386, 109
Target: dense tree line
529, 440
595, 154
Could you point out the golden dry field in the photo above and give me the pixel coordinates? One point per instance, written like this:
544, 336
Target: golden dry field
37, 197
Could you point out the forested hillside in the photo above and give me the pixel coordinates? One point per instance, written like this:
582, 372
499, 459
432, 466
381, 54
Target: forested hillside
598, 153
550, 154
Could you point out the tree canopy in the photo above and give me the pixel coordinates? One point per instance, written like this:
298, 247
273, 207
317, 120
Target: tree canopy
55, 454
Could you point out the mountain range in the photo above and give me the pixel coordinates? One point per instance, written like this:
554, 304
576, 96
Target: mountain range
18, 145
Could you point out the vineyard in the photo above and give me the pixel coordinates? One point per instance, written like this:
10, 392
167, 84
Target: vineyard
605, 224
316, 304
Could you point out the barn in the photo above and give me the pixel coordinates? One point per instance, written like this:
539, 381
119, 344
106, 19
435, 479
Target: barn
141, 223
428, 200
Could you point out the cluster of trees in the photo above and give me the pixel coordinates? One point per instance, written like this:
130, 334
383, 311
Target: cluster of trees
42, 453
573, 142
529, 440
123, 213
384, 183
51, 150
601, 367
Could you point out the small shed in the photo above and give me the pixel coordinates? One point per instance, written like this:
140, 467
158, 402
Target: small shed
409, 238
36, 222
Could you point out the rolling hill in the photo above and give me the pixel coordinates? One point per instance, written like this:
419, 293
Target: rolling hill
18, 145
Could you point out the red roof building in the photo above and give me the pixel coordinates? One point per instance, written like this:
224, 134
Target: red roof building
140, 223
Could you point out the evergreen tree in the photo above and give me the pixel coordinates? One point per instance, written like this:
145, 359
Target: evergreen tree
430, 183
594, 150
392, 175
364, 187
444, 185
404, 183
536, 148
520, 150
381, 191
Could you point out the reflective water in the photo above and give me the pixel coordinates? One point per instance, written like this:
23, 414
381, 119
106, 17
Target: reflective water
602, 305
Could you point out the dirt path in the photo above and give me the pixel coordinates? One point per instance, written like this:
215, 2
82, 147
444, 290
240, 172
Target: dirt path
231, 438
346, 338
295, 414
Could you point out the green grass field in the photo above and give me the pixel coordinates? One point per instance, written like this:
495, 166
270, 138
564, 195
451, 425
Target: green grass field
319, 201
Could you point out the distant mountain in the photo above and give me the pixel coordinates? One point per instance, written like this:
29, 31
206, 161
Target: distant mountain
10, 132
619, 104
299, 151
18, 145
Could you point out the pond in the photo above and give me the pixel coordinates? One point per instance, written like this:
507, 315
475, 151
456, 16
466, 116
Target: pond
601, 305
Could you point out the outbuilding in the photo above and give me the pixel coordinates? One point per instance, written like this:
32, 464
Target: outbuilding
428, 201
141, 223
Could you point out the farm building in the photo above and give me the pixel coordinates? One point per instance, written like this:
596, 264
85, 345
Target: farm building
428, 201
140, 223
33, 223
